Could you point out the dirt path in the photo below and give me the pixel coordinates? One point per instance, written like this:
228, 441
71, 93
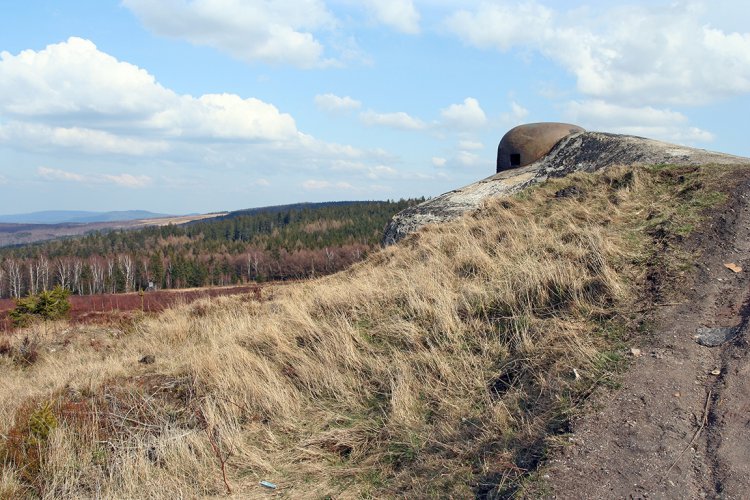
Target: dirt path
679, 426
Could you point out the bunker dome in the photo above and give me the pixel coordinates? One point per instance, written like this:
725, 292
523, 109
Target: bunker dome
525, 144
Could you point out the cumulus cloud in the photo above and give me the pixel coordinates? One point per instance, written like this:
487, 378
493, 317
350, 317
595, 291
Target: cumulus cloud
644, 121
272, 32
401, 15
224, 116
516, 115
333, 103
124, 180
636, 55
467, 115
439, 162
72, 82
398, 120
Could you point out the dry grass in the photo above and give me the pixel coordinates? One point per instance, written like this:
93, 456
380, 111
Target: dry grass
438, 367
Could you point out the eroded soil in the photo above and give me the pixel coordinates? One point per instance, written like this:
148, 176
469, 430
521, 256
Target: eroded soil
679, 425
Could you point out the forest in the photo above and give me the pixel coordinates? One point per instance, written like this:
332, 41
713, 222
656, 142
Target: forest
274, 243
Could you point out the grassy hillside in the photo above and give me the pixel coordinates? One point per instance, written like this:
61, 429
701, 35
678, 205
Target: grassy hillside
444, 366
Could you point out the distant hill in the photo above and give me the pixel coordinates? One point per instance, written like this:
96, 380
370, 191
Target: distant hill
77, 216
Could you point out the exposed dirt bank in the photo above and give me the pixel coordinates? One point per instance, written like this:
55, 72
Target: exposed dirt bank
679, 426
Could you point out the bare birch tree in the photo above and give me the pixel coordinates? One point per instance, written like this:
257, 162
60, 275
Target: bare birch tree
33, 277
77, 273
62, 273
15, 282
43, 272
126, 262
97, 276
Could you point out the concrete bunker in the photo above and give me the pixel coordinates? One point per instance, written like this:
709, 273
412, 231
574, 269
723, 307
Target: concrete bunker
525, 144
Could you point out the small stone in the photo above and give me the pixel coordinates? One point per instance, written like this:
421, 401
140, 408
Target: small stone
148, 359
676, 394
635, 352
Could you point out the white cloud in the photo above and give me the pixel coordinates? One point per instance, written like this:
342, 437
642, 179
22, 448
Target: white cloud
467, 159
439, 162
313, 184
53, 174
72, 82
468, 144
636, 55
334, 103
224, 116
278, 32
399, 120
468, 115
516, 115
128, 180
381, 171
262, 182
35, 135
398, 14
644, 121
124, 180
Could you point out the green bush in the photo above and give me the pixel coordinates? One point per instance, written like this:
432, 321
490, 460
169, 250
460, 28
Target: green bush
47, 305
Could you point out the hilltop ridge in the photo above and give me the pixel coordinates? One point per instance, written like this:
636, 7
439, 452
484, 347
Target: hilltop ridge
578, 152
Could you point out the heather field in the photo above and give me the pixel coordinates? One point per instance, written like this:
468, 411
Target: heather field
103, 308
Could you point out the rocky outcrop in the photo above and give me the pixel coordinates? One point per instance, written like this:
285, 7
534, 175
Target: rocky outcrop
584, 152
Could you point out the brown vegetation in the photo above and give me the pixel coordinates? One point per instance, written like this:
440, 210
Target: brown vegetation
109, 307
443, 366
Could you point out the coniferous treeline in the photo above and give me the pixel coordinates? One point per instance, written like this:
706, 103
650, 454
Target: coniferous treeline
276, 243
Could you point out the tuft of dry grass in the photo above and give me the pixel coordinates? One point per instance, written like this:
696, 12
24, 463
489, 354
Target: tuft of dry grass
439, 367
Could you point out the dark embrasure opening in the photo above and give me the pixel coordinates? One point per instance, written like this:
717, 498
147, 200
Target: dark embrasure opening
515, 160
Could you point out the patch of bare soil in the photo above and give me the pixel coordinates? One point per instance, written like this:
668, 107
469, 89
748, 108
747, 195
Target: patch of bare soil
679, 425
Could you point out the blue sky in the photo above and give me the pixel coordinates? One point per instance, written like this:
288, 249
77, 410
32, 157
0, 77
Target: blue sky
184, 106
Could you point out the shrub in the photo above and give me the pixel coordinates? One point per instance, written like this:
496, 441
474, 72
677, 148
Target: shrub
47, 305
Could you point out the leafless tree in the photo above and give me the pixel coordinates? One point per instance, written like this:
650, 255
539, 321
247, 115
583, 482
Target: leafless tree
97, 276
77, 273
126, 262
15, 283
145, 271
2, 280
254, 262
43, 272
111, 275
330, 256
62, 272
33, 277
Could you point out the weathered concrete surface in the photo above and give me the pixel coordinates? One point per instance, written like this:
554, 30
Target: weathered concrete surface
531, 142
586, 152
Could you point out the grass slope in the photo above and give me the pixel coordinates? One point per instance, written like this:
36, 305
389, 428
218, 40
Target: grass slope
444, 366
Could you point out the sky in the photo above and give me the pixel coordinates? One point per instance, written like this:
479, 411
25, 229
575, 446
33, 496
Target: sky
184, 106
